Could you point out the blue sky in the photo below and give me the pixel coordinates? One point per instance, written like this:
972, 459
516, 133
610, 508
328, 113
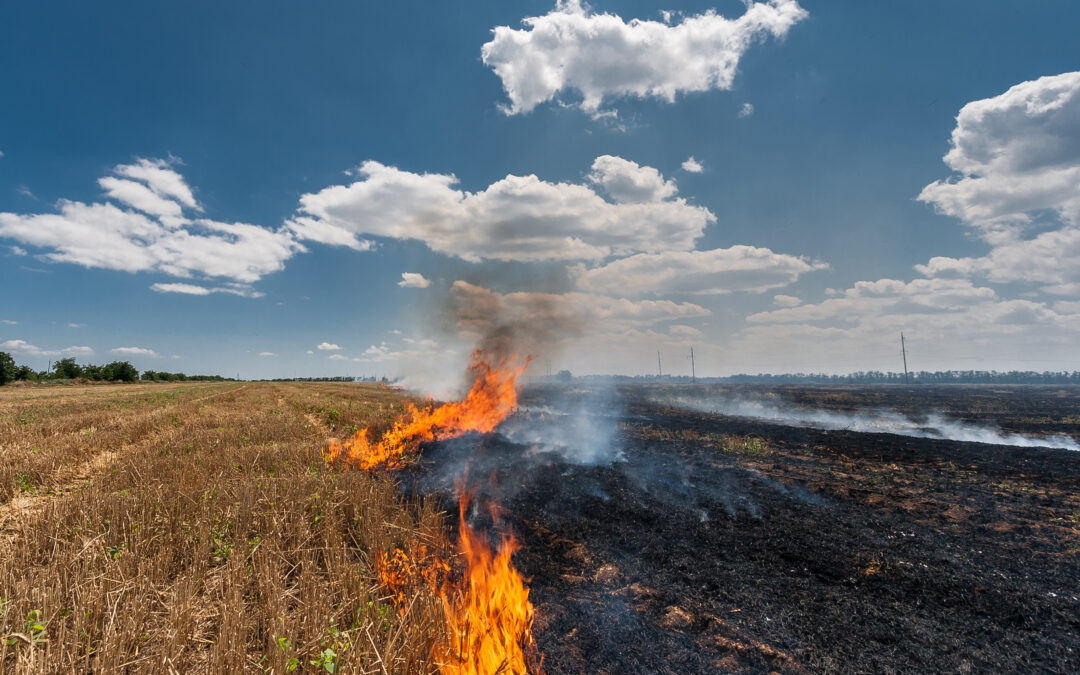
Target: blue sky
801, 244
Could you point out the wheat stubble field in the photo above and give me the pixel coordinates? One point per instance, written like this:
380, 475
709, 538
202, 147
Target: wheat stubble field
196, 527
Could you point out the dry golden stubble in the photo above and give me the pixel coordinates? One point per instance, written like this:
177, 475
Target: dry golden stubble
218, 541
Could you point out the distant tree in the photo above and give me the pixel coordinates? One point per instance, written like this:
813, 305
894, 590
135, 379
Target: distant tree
7, 368
92, 372
68, 369
564, 376
23, 373
119, 371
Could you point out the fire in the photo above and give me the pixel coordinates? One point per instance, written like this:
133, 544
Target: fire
403, 573
488, 613
491, 399
489, 618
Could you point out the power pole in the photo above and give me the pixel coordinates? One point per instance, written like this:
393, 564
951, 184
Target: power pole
693, 373
659, 366
903, 352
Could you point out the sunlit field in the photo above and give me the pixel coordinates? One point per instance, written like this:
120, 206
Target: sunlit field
197, 527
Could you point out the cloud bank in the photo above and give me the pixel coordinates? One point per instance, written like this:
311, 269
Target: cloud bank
621, 208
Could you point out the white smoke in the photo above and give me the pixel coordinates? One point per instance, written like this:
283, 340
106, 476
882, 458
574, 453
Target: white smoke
577, 425
880, 421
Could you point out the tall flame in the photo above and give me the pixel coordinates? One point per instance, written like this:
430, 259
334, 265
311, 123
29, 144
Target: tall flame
491, 399
488, 614
489, 617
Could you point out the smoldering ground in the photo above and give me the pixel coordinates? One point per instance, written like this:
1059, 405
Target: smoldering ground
580, 434
833, 551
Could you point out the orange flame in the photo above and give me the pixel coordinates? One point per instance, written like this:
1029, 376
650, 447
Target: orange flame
402, 574
491, 399
490, 617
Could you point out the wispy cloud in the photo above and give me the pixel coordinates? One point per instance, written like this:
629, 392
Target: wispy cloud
24, 347
242, 290
134, 351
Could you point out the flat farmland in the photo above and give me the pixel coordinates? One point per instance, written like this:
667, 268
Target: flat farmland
196, 527
662, 528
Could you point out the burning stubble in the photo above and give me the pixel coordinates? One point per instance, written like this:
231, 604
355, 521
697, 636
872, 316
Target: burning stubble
488, 613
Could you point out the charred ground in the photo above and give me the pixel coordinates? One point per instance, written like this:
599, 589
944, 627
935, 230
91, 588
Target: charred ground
718, 543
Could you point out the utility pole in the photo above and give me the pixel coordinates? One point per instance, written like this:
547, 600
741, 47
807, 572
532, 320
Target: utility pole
659, 366
693, 374
903, 352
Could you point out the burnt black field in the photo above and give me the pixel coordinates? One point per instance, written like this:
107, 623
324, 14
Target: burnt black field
698, 542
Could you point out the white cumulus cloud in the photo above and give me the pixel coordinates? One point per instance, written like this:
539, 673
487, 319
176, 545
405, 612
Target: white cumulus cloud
413, 280
692, 165
1014, 154
518, 218
328, 347
628, 182
1016, 159
602, 56
267, 354
722, 270
144, 229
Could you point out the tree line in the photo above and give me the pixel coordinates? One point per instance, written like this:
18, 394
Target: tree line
68, 369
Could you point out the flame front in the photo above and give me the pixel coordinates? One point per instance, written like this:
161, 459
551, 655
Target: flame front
489, 617
492, 397
488, 614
